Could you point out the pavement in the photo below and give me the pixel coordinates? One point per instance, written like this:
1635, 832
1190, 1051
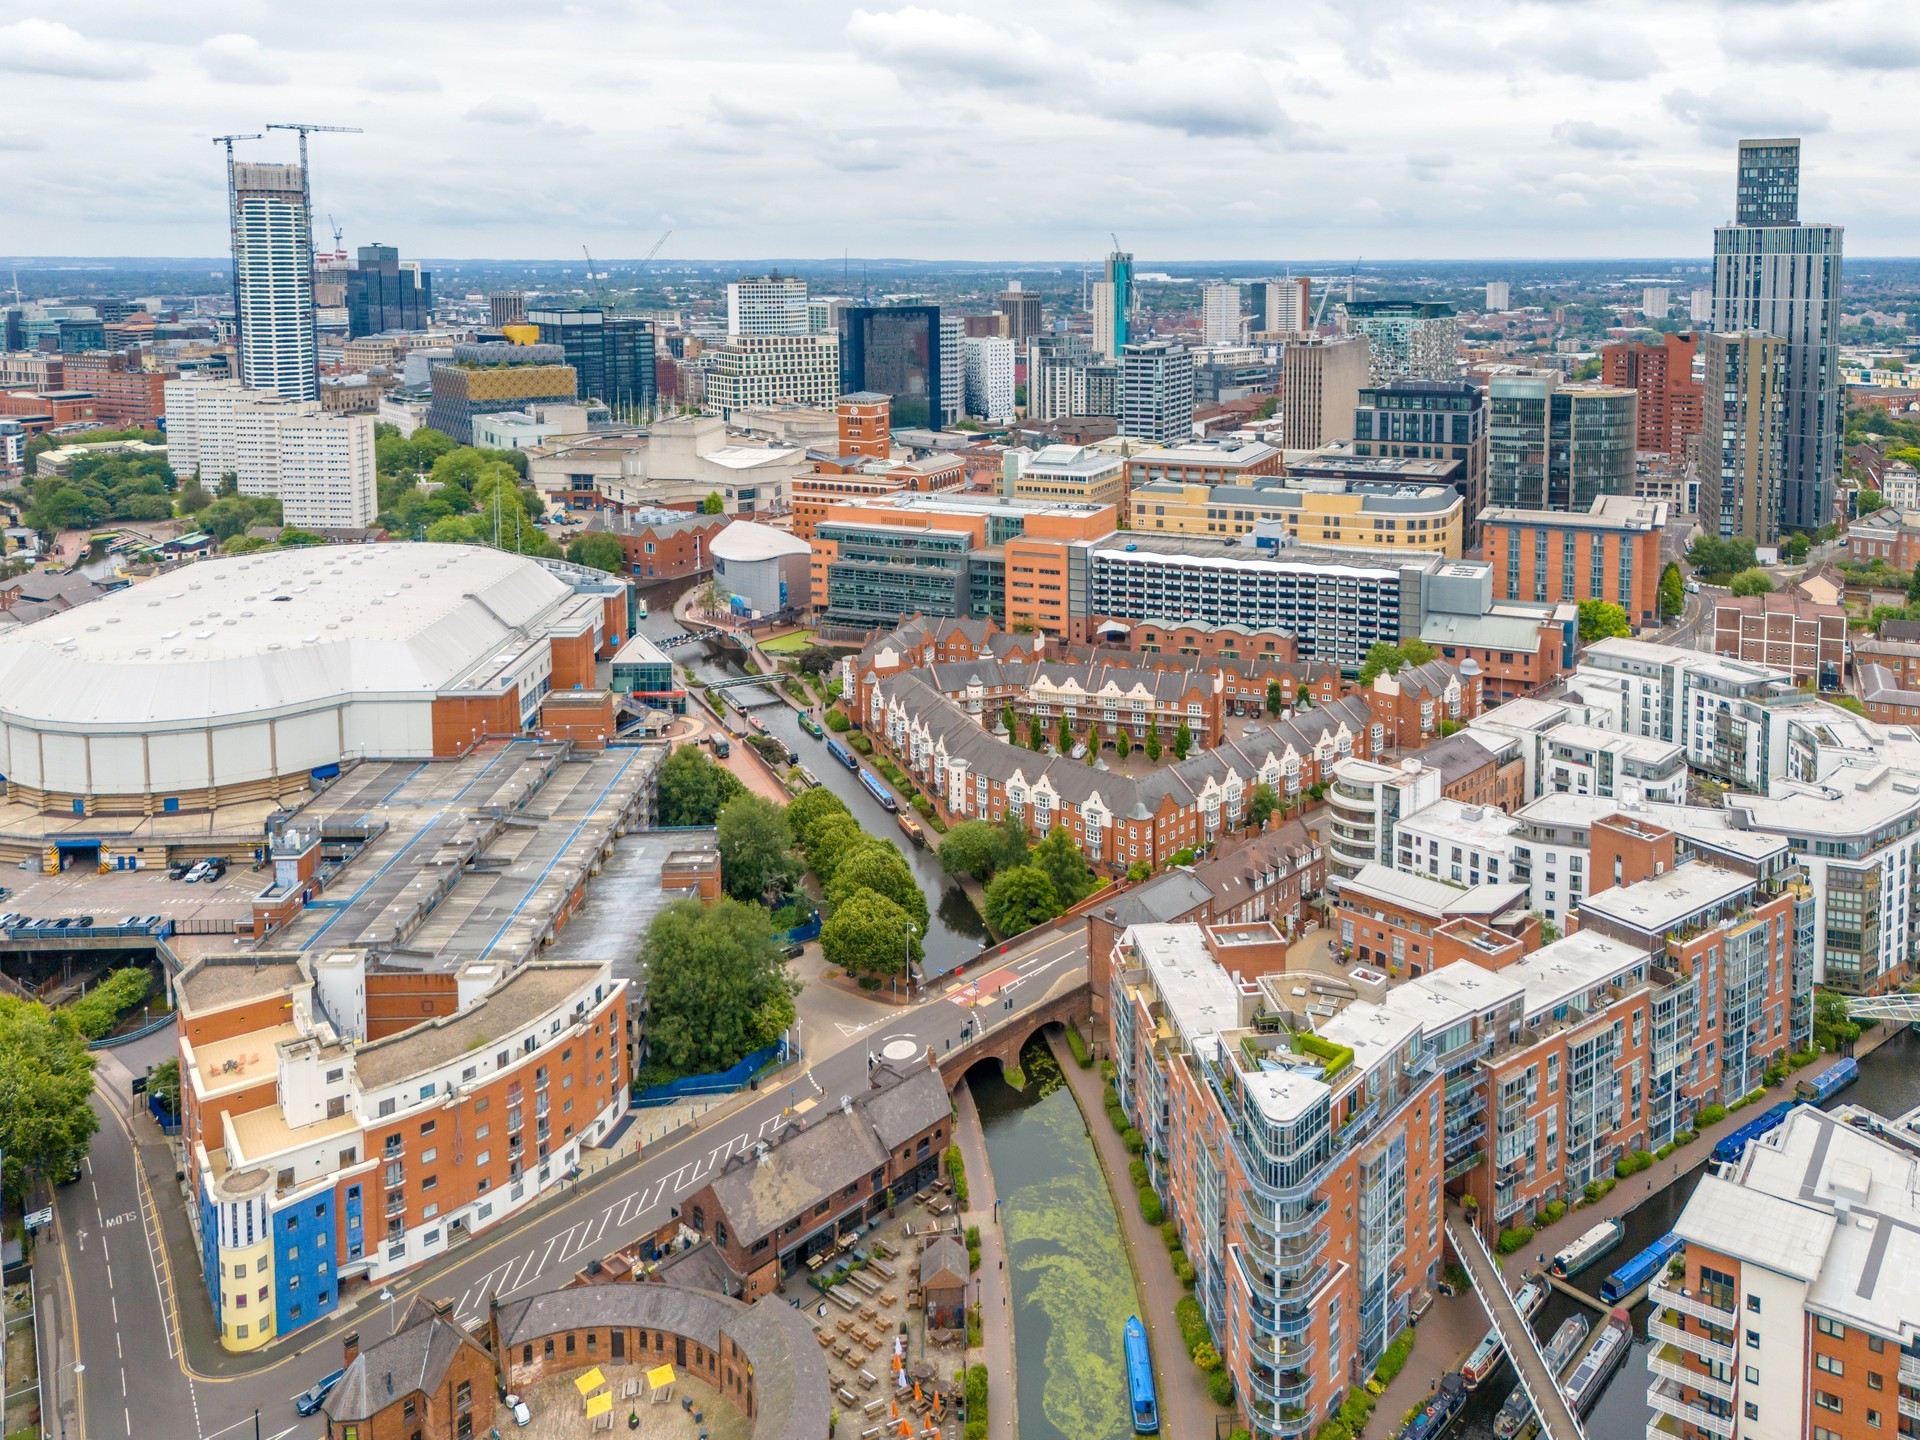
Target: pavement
990, 1284
1185, 1406
146, 1333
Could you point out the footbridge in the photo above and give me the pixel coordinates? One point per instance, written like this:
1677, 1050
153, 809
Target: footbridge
1557, 1420
1900, 1006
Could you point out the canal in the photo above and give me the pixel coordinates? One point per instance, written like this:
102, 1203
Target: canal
955, 931
1889, 1084
1072, 1287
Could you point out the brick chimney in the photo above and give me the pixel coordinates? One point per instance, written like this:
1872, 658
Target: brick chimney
350, 1348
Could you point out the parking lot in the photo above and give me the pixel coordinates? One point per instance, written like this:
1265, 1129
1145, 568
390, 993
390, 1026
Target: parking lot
112, 896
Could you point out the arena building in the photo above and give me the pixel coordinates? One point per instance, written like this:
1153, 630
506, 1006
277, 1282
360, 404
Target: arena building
241, 680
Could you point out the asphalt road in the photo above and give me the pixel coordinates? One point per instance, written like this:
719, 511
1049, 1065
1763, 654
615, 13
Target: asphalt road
149, 1373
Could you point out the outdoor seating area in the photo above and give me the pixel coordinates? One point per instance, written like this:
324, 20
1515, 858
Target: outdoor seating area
668, 1404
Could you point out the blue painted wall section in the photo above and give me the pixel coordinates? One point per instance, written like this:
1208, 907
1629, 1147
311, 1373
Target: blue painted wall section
305, 1278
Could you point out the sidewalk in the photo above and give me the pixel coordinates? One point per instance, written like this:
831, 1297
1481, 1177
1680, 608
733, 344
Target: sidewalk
1186, 1409
996, 1305
1634, 1189
1442, 1340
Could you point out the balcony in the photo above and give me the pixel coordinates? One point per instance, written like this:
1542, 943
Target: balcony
1663, 1332
1669, 1363
1663, 1395
1909, 1369
1698, 1306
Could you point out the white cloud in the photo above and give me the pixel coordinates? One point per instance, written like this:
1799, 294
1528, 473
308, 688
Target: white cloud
395, 80
520, 113
239, 60
1731, 112
1591, 135
45, 47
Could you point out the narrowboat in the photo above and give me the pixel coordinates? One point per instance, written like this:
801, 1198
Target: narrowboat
1588, 1248
1439, 1412
910, 827
808, 778
842, 754
1141, 1400
877, 790
754, 723
1598, 1364
1647, 1265
1559, 1353
810, 725
1487, 1355
1735, 1145
1824, 1086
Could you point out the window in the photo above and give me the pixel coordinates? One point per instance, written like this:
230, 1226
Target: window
1753, 1303
1752, 1410
1875, 1381
1828, 1327
1827, 1401
1753, 1339
1753, 1374
1873, 1419
1829, 1363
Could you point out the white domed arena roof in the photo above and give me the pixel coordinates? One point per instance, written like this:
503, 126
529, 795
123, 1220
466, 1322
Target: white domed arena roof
744, 540
255, 635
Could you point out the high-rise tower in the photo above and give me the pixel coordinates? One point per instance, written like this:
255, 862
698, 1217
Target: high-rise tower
273, 279
1112, 305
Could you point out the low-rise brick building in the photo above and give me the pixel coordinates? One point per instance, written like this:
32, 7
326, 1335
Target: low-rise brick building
1784, 632
428, 1380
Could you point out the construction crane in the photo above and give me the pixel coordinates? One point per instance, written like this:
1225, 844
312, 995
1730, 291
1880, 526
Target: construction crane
306, 180
334, 225
233, 225
665, 235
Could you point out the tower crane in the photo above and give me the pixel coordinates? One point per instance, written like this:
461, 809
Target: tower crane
665, 235
334, 225
306, 179
233, 220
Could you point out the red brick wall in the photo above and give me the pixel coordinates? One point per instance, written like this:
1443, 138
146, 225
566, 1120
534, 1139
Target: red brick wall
460, 722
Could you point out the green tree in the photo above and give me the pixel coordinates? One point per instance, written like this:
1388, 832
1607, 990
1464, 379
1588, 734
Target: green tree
756, 848
831, 841
46, 1076
1602, 620
714, 504
1065, 867
1036, 736
228, 487
1261, 804
193, 498
881, 868
1063, 739
164, 1081
1012, 725
1276, 698
692, 789
1380, 658
1153, 741
1013, 839
1182, 740
717, 985
1019, 899
1865, 502
809, 808
869, 935
1122, 746
599, 551
1795, 547
1751, 582
1673, 590
971, 848
1832, 1025
1717, 560
1913, 587
1416, 651
1138, 871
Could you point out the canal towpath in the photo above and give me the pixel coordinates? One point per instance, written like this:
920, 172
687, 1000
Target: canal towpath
996, 1304
1185, 1406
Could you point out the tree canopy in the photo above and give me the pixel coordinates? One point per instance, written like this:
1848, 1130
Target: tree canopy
868, 934
1752, 581
971, 848
1065, 867
1602, 620
599, 551
717, 985
1673, 590
1019, 899
98, 488
832, 840
880, 867
1717, 560
756, 848
46, 1076
693, 789
1261, 804
1391, 659
809, 808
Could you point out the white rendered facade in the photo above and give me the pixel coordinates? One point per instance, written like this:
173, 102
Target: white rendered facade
327, 476
1499, 296
989, 377
1105, 343
752, 371
769, 305
1458, 843
953, 369
320, 466
273, 280
1367, 802
1220, 314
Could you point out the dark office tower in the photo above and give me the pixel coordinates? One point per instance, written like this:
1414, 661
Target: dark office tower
506, 307
612, 354
1769, 183
894, 350
383, 295
13, 329
1779, 276
1430, 420
1020, 312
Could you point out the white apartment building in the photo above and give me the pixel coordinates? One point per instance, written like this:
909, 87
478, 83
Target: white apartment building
1499, 296
989, 378
1220, 314
1587, 760
320, 466
1655, 301
767, 305
1367, 801
1458, 843
1106, 343
953, 369
754, 371
277, 347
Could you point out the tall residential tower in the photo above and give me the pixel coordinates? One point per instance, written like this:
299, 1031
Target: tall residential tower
273, 279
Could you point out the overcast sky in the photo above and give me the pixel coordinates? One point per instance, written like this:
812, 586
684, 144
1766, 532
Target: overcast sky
968, 129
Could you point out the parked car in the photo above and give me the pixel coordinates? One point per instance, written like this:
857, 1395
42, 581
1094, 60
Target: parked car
794, 952
152, 922
198, 872
521, 1414
311, 1400
178, 870
83, 922
11, 919
128, 922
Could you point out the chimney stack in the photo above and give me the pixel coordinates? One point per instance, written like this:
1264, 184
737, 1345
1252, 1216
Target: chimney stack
350, 1347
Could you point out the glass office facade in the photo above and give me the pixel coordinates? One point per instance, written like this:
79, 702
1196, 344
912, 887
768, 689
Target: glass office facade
894, 350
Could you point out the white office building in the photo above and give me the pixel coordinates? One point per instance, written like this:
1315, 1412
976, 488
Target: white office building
1458, 843
1281, 307
1156, 392
277, 348
320, 466
768, 305
953, 370
1499, 296
1367, 802
1220, 314
753, 371
989, 377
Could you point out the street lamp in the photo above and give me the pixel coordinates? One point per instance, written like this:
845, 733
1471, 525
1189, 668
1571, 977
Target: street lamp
78, 1367
911, 929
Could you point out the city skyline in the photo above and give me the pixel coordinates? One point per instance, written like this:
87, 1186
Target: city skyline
1554, 131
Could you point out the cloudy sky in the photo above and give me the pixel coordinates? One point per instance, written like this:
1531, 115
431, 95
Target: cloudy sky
971, 129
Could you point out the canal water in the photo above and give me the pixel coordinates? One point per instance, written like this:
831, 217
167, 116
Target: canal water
1889, 1084
1072, 1287
955, 931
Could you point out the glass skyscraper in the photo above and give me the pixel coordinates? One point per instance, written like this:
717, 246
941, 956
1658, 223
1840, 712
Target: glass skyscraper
384, 295
894, 350
611, 354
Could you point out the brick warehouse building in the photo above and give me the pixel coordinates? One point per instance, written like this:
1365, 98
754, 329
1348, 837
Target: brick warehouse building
661, 544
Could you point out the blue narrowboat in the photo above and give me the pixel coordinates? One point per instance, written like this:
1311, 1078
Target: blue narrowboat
877, 790
842, 754
1141, 1399
1824, 1086
1647, 1265
1438, 1413
1735, 1145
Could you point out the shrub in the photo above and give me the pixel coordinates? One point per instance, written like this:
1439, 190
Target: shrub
1205, 1356
1685, 1137
1183, 1271
1599, 1189
1512, 1240
1082, 1056
1137, 1172
1632, 1164
1135, 1142
1665, 1150
1395, 1358
973, 1248
957, 1172
862, 744
1220, 1386
1708, 1115
1552, 1211
95, 1013
1355, 1410
1335, 1429
1151, 1210
1192, 1322
1170, 1235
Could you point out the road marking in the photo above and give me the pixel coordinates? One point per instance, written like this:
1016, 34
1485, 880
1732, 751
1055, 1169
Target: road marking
805, 1105
122, 1218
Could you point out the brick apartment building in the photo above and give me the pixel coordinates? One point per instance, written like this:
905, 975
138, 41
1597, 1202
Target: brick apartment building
125, 395
1671, 401
1887, 534
661, 544
1784, 632
1611, 552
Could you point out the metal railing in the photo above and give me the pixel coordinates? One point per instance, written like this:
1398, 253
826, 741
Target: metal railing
1557, 1418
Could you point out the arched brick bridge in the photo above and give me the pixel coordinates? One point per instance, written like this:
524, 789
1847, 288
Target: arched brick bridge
1007, 1032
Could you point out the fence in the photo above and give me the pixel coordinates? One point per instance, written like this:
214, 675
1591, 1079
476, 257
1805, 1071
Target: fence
152, 1027
808, 931
720, 1082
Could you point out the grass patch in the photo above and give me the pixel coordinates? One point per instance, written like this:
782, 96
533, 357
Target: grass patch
1082, 1056
789, 644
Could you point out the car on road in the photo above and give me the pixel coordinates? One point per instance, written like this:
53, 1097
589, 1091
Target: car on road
311, 1400
794, 952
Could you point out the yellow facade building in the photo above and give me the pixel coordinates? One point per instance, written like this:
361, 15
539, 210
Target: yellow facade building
1361, 515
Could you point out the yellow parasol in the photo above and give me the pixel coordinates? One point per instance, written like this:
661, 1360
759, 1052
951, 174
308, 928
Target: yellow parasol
590, 1381
600, 1404
659, 1377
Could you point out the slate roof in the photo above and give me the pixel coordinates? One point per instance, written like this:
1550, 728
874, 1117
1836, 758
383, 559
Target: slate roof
944, 1257
414, 1357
